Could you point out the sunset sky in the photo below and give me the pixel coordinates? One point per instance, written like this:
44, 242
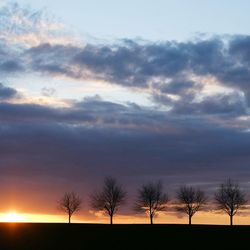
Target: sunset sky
138, 89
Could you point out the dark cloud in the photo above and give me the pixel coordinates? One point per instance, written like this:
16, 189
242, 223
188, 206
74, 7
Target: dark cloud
177, 87
10, 60
163, 67
44, 147
232, 104
53, 59
240, 49
33, 112
130, 64
7, 92
92, 111
166, 67
206, 57
114, 137
10, 66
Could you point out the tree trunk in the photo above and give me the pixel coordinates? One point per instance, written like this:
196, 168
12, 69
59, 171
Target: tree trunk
69, 218
151, 219
111, 219
189, 219
231, 220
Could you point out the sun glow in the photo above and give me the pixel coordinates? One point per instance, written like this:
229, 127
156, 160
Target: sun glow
12, 217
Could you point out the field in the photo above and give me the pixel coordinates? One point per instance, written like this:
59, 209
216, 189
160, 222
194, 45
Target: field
36, 236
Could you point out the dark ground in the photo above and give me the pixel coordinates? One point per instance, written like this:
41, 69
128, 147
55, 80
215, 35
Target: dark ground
94, 236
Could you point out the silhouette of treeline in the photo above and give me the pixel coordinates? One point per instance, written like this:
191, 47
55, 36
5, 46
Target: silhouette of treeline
152, 199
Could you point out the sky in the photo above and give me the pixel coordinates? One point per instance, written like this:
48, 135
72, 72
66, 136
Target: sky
138, 90
150, 20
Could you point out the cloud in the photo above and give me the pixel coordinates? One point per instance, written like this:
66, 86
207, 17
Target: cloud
22, 26
10, 60
7, 92
169, 68
91, 112
132, 64
10, 66
176, 89
54, 60
136, 133
232, 104
178, 86
108, 139
48, 91
240, 48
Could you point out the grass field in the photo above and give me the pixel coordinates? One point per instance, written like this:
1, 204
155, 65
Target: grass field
95, 236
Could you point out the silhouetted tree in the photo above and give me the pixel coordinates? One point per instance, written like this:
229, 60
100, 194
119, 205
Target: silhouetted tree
230, 198
190, 201
70, 203
109, 199
151, 199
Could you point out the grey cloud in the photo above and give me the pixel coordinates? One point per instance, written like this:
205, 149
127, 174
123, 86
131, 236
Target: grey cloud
10, 66
38, 113
231, 104
7, 92
206, 56
176, 144
166, 65
131, 64
53, 59
46, 91
89, 112
178, 86
240, 48
10, 60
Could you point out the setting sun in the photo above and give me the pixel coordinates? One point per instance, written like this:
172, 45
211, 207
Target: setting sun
12, 217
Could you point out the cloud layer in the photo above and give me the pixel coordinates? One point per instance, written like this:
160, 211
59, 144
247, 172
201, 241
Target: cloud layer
176, 74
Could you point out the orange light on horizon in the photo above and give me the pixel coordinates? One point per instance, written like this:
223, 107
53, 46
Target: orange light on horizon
12, 217
26, 217
202, 217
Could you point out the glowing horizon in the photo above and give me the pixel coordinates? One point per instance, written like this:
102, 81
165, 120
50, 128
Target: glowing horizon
205, 218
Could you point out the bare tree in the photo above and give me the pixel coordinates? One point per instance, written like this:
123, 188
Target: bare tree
190, 201
109, 199
230, 198
70, 203
151, 199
